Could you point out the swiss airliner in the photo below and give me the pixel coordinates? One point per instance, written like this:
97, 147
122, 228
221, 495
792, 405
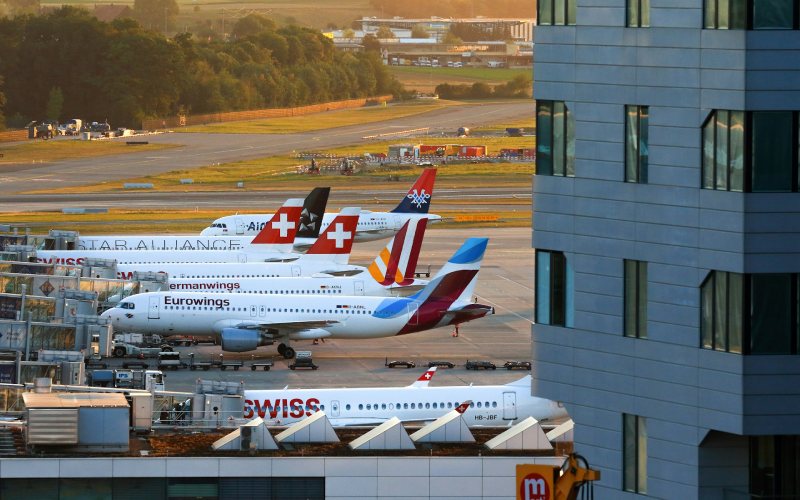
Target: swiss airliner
244, 322
311, 215
371, 225
491, 405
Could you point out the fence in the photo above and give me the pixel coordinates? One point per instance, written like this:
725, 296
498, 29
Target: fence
13, 135
256, 114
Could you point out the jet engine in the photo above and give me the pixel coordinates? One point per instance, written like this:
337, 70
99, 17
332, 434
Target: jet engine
242, 339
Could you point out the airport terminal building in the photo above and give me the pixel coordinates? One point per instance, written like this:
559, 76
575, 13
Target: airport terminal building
667, 236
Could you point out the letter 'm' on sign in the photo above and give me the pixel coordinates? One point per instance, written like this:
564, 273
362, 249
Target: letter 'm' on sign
535, 482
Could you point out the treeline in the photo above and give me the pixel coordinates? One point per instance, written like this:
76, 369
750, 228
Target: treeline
455, 8
519, 87
69, 64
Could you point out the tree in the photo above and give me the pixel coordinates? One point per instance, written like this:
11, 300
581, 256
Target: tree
2, 105
452, 39
419, 31
21, 7
384, 33
349, 34
156, 15
55, 103
370, 43
252, 24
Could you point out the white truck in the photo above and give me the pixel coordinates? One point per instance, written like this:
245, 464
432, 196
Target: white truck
123, 349
148, 380
139, 339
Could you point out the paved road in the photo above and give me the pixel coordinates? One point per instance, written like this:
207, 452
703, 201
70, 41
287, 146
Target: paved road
207, 149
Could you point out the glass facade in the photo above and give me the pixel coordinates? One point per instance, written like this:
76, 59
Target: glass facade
638, 13
555, 145
554, 289
635, 299
636, 143
634, 453
750, 14
775, 467
556, 12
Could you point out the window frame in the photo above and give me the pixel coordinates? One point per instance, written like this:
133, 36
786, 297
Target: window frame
636, 141
568, 12
742, 16
636, 297
558, 302
559, 159
637, 481
638, 21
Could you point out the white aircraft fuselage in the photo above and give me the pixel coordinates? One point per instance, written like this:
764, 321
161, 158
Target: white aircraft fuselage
303, 266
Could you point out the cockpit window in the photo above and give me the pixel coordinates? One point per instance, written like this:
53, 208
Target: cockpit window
127, 305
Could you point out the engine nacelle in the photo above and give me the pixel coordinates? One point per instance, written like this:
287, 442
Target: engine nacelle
243, 340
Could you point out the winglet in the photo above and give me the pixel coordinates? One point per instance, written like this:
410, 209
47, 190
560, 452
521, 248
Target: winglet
417, 200
425, 378
336, 242
463, 407
282, 227
313, 211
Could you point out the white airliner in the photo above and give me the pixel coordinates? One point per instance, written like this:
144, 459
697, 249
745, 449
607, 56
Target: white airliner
491, 405
311, 216
390, 274
243, 322
272, 244
371, 225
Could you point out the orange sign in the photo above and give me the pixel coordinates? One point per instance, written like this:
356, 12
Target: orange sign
535, 482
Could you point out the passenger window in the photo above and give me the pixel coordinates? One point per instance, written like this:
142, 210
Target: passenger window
412, 406
427, 406
360, 407
347, 407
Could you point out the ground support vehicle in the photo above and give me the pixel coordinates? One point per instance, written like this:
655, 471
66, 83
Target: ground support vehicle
480, 365
128, 379
399, 363
170, 361
135, 364
441, 364
139, 339
199, 365
264, 365
303, 360
231, 364
121, 349
522, 365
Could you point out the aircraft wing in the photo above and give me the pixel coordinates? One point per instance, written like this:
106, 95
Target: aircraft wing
286, 326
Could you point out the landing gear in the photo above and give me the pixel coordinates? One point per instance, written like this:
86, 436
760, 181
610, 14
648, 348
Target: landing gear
281, 349
288, 353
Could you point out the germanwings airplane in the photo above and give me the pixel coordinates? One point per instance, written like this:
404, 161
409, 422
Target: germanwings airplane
272, 244
244, 322
489, 405
311, 214
371, 225
390, 274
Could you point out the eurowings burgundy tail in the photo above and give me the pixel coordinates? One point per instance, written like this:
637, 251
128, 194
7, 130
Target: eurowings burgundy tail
313, 212
447, 299
397, 261
278, 234
336, 242
417, 201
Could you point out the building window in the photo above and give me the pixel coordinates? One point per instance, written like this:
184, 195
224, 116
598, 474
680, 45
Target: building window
636, 140
750, 313
555, 144
556, 12
775, 466
721, 311
634, 453
750, 14
554, 289
753, 151
635, 298
638, 13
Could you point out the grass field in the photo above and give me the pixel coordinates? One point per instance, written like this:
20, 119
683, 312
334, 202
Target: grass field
424, 79
321, 121
44, 151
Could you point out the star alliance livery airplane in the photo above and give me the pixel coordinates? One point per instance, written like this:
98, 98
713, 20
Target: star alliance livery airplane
243, 322
371, 225
489, 405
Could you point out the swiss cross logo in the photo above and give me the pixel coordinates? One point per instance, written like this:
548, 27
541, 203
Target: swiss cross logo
283, 225
418, 198
340, 235
534, 487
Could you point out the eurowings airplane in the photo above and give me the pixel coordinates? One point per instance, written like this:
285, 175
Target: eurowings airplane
244, 322
311, 215
371, 225
490, 405
390, 274
272, 244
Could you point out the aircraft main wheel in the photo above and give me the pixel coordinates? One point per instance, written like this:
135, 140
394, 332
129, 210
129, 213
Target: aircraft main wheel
282, 349
119, 352
288, 353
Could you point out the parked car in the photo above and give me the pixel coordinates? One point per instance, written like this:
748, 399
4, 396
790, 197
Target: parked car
399, 363
480, 365
522, 365
440, 364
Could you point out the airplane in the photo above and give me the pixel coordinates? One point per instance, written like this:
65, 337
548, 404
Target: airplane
390, 274
243, 322
272, 244
488, 405
310, 224
371, 225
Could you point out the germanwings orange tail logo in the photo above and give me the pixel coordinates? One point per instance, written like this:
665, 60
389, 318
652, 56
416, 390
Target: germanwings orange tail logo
397, 261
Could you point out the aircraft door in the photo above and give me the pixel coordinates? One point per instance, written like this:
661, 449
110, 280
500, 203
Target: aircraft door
413, 312
359, 287
334, 408
239, 225
152, 311
242, 257
509, 406
295, 271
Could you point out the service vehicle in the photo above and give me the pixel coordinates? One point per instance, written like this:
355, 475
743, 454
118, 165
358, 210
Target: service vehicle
399, 363
122, 349
170, 360
148, 380
522, 365
480, 365
139, 339
303, 359
264, 365
441, 364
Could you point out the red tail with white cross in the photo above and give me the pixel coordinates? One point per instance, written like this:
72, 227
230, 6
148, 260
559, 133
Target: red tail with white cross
336, 240
280, 230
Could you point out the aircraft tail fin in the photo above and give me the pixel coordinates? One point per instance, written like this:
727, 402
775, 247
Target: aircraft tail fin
279, 232
336, 242
425, 378
397, 261
452, 287
313, 212
417, 200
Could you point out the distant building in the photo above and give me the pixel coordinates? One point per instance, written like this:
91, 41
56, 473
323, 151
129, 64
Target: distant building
108, 13
520, 29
